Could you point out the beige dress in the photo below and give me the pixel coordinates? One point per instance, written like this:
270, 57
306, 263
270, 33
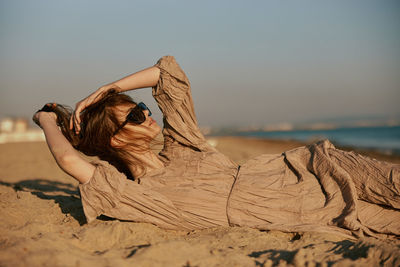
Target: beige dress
313, 188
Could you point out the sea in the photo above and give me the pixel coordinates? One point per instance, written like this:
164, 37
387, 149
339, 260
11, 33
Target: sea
385, 139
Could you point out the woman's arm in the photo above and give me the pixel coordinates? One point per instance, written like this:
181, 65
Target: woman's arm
141, 79
65, 155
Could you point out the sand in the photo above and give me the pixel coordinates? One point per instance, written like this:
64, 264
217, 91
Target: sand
42, 224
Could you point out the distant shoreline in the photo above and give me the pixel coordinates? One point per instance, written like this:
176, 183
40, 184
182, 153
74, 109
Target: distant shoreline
382, 139
242, 148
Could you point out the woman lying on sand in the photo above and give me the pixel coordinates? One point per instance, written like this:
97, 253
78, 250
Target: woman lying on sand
190, 185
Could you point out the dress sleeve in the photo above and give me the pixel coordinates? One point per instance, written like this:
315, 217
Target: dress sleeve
110, 193
174, 98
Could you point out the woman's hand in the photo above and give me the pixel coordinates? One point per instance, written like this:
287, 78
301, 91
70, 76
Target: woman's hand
141, 79
75, 120
42, 115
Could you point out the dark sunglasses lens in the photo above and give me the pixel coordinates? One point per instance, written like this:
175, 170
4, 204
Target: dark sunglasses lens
136, 116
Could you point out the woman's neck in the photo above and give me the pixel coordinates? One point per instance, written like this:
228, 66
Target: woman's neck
148, 160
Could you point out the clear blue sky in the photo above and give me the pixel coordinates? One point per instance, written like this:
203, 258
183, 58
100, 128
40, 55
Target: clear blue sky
249, 62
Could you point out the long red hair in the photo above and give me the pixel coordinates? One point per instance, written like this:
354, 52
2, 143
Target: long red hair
99, 122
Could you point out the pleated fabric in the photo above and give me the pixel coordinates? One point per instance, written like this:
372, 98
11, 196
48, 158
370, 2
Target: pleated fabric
318, 188
310, 188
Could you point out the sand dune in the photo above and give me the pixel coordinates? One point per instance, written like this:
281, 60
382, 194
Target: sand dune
42, 224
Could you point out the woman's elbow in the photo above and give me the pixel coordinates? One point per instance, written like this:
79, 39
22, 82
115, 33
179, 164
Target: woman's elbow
77, 167
66, 162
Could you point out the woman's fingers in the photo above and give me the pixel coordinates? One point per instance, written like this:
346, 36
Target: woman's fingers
77, 119
75, 116
71, 122
72, 119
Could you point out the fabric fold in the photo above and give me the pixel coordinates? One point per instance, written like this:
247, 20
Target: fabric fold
317, 188
174, 98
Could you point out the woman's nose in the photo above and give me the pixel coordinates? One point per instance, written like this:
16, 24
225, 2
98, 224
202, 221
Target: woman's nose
146, 112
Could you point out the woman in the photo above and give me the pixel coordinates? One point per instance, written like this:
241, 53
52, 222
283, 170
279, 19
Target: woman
190, 185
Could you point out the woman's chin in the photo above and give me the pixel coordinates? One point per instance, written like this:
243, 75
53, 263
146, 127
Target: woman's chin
154, 130
157, 128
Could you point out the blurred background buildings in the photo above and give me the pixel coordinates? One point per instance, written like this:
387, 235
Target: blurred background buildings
18, 130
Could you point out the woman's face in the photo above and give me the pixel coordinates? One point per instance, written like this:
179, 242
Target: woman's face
149, 128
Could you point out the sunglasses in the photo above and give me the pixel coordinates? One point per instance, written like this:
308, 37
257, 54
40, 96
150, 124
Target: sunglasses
135, 116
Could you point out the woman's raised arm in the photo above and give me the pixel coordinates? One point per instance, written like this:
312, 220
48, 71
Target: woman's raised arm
141, 79
65, 155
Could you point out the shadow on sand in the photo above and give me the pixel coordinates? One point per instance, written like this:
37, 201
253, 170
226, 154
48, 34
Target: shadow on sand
346, 248
65, 195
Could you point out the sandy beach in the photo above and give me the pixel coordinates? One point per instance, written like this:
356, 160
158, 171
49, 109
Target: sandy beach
42, 224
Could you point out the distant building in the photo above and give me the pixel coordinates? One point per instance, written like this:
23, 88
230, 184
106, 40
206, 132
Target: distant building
20, 125
6, 125
17, 130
